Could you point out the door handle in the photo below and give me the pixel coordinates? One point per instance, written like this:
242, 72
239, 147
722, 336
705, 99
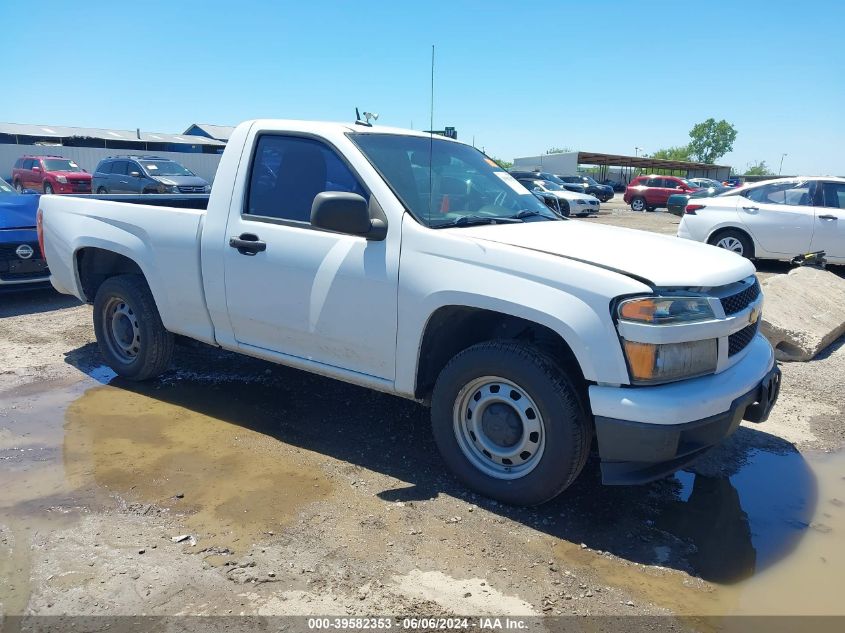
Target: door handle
828, 217
749, 209
248, 244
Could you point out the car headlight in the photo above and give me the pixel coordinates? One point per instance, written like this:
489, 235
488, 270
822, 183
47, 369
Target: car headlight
173, 188
207, 189
666, 310
61, 179
582, 201
650, 363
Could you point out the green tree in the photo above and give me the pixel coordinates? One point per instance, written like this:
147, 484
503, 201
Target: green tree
711, 140
504, 164
558, 150
760, 168
681, 152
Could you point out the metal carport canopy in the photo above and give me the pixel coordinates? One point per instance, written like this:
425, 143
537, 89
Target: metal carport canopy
619, 160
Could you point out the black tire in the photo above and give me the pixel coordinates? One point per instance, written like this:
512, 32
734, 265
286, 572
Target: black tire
721, 239
18, 186
48, 188
651, 209
564, 208
102, 190
124, 305
566, 426
638, 204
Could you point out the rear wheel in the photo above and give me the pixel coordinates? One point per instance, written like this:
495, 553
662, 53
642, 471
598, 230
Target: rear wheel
735, 241
129, 331
509, 422
638, 204
48, 188
101, 190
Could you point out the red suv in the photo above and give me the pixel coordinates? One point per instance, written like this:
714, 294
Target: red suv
50, 174
646, 193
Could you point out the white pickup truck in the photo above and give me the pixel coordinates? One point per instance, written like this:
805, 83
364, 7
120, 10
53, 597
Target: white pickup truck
414, 265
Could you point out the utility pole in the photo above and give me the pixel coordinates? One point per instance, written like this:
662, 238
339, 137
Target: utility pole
780, 169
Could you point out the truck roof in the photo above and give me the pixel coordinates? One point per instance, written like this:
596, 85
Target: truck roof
328, 127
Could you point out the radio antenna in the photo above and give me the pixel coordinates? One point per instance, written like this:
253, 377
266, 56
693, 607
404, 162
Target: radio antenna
431, 143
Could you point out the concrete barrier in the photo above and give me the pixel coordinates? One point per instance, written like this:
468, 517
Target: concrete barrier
804, 312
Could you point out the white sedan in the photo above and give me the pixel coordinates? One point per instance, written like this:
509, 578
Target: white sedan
577, 203
774, 219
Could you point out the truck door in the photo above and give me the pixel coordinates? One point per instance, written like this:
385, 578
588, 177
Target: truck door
308, 293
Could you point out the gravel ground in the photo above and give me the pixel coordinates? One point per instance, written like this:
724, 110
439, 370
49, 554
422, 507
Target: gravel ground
302, 495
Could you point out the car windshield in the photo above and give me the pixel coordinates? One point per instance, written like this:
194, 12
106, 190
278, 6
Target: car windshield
590, 180
551, 186
60, 164
6, 189
444, 183
165, 168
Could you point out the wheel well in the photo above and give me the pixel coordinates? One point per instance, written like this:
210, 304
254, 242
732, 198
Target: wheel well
95, 265
452, 329
714, 236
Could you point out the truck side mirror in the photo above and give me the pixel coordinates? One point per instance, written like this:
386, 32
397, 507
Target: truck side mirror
344, 212
135, 174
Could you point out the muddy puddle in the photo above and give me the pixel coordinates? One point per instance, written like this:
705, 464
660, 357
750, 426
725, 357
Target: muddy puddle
213, 456
770, 540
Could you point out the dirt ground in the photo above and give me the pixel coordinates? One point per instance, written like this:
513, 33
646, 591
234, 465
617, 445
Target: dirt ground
232, 486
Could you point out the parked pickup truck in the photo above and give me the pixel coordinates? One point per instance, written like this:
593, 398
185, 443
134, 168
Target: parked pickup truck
416, 266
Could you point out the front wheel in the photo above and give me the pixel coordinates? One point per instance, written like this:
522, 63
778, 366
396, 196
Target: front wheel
509, 422
48, 188
129, 331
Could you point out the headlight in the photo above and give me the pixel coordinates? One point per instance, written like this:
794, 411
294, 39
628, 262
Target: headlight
61, 179
666, 310
653, 363
173, 188
582, 201
207, 189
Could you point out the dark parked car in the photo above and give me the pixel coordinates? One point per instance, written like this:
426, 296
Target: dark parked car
21, 263
553, 202
677, 202
576, 187
617, 186
602, 192
50, 174
145, 174
647, 193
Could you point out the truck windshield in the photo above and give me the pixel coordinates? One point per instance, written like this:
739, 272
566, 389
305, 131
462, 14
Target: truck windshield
165, 168
441, 181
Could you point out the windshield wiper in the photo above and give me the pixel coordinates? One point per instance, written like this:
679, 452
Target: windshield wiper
529, 213
471, 220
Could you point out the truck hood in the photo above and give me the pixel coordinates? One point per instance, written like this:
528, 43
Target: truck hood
662, 260
72, 175
18, 211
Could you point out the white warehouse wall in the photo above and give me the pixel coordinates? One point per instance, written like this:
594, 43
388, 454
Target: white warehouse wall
203, 165
563, 164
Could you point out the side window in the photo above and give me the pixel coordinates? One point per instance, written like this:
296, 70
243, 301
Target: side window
130, 167
833, 195
104, 168
654, 182
671, 184
287, 174
119, 167
18, 163
27, 164
790, 193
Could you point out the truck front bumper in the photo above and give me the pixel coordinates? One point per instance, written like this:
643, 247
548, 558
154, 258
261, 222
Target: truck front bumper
646, 433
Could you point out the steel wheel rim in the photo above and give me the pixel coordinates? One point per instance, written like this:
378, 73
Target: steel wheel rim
638, 205
123, 335
499, 427
731, 244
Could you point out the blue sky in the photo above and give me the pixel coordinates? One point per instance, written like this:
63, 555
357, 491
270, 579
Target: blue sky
518, 77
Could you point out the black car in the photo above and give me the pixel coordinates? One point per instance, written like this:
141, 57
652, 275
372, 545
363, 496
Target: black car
576, 187
617, 186
602, 192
